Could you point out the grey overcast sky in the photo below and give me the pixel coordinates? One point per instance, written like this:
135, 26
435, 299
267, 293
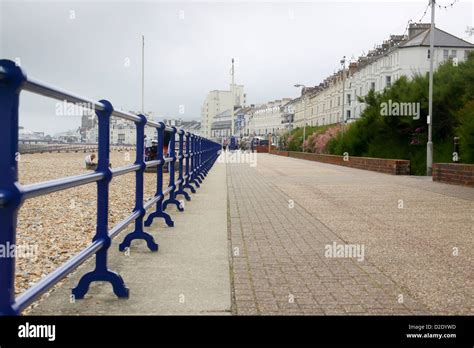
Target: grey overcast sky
84, 47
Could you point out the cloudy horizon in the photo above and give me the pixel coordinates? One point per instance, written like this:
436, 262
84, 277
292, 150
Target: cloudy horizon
94, 48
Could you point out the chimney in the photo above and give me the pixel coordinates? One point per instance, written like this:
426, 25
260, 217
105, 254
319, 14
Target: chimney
396, 39
417, 28
352, 67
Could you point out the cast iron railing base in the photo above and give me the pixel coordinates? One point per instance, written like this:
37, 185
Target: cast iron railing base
148, 238
159, 213
113, 278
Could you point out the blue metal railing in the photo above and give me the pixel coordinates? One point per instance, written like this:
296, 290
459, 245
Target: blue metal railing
195, 157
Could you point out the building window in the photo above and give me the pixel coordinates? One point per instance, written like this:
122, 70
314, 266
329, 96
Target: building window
372, 86
453, 54
348, 99
428, 56
348, 114
445, 54
388, 81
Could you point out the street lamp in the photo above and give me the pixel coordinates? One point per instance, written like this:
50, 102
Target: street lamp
343, 64
233, 100
429, 144
304, 111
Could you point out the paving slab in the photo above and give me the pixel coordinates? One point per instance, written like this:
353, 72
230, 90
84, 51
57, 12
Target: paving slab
417, 237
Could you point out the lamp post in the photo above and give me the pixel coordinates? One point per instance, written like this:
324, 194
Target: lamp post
343, 64
304, 111
429, 144
232, 131
143, 73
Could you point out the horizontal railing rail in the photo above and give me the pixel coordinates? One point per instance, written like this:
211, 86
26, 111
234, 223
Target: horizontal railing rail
193, 154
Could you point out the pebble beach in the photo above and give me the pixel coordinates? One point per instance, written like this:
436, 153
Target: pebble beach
60, 224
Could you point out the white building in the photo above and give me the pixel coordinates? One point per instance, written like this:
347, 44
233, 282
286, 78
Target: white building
246, 121
221, 125
192, 126
379, 69
288, 114
398, 57
268, 118
70, 136
218, 101
122, 132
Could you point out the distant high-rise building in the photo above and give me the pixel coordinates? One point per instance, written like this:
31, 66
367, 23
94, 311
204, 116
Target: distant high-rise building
218, 101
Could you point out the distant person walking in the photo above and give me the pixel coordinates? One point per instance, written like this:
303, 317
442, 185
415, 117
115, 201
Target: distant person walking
166, 146
224, 144
148, 144
166, 143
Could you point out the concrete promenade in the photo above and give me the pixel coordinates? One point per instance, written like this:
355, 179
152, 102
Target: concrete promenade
188, 275
289, 236
417, 237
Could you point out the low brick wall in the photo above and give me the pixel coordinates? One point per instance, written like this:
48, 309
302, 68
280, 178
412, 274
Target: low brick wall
280, 153
263, 148
453, 173
382, 165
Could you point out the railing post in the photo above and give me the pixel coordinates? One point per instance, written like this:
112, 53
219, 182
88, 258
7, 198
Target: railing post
212, 154
217, 153
182, 157
172, 152
207, 156
204, 153
101, 272
194, 160
200, 161
139, 182
159, 182
10, 195
189, 169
